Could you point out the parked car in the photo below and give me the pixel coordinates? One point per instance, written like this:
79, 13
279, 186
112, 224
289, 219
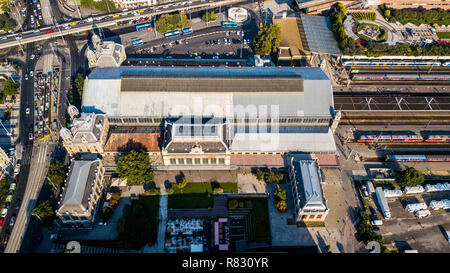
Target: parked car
18, 203
4, 212
13, 220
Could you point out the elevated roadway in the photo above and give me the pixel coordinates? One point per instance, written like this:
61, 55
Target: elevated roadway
106, 20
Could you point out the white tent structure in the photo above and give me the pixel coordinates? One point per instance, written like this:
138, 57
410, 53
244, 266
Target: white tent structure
416, 206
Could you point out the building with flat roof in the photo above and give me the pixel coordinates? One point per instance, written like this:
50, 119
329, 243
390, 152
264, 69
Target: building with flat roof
234, 111
82, 190
310, 204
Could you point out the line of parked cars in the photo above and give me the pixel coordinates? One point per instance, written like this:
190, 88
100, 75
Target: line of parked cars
12, 188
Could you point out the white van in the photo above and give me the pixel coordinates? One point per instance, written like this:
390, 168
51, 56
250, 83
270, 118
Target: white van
376, 223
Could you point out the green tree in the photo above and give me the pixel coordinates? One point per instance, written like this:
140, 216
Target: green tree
267, 40
274, 177
209, 16
281, 206
5, 6
170, 22
260, 174
387, 13
44, 212
57, 173
10, 88
135, 167
76, 94
410, 178
280, 194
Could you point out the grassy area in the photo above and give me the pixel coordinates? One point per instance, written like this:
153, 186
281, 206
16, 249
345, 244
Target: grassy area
197, 195
139, 224
258, 218
443, 35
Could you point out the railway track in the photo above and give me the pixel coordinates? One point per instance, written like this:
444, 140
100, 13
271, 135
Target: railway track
383, 83
399, 68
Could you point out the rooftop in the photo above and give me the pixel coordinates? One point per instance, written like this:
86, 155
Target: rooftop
218, 91
308, 182
75, 197
88, 128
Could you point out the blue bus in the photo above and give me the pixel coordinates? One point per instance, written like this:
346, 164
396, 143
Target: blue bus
144, 26
172, 34
229, 24
187, 31
137, 42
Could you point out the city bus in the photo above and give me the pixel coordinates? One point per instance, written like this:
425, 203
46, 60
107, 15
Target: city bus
229, 24
172, 34
146, 26
137, 42
187, 31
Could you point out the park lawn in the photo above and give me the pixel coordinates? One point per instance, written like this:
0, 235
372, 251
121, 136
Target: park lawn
443, 35
259, 218
139, 224
197, 195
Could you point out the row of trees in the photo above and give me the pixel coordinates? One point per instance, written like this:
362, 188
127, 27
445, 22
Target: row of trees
269, 176
4, 191
280, 199
421, 16
209, 16
346, 43
170, 22
76, 93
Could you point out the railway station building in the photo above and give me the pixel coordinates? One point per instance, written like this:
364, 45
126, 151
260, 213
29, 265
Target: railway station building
215, 117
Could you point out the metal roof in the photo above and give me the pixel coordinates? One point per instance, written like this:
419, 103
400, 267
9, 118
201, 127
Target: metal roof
75, 196
211, 83
161, 91
319, 35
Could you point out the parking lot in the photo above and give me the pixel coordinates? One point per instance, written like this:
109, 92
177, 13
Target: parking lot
217, 44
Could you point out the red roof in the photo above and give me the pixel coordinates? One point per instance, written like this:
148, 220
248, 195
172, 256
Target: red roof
257, 160
327, 160
124, 142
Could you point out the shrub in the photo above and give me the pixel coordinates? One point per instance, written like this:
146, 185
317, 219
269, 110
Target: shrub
281, 206
233, 204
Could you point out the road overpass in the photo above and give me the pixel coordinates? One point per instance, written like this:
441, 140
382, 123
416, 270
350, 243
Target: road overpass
114, 18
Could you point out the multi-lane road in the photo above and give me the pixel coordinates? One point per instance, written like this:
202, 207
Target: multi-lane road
101, 21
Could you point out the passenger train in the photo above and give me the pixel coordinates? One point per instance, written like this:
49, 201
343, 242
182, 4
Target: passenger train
351, 62
418, 158
401, 77
402, 138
